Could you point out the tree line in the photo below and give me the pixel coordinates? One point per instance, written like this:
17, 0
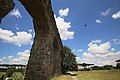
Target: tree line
70, 64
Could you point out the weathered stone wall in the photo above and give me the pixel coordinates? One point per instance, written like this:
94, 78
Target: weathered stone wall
5, 7
46, 53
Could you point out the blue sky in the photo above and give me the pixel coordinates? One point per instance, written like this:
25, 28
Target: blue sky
98, 42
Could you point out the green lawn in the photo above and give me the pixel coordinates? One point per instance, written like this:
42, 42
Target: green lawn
63, 77
15, 76
82, 75
1, 73
99, 75
93, 75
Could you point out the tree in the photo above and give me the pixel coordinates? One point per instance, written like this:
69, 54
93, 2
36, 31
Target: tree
9, 72
97, 68
117, 60
69, 60
118, 65
108, 67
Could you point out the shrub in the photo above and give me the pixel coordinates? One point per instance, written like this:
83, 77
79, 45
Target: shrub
9, 72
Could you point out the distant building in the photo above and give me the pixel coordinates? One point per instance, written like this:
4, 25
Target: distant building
85, 66
4, 67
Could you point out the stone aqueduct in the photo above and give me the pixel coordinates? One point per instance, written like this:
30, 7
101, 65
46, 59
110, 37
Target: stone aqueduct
46, 54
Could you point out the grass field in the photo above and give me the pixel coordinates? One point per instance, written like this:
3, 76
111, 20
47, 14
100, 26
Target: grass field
94, 75
63, 77
15, 76
1, 73
82, 75
99, 75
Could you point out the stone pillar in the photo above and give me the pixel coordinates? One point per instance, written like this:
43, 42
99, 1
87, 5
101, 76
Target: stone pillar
57, 57
45, 56
40, 65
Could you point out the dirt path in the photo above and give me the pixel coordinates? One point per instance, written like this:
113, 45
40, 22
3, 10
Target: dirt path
74, 78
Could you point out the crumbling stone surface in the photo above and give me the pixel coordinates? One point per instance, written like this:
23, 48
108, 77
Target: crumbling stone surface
5, 7
46, 54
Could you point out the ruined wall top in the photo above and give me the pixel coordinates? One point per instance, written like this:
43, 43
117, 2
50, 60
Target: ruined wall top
5, 7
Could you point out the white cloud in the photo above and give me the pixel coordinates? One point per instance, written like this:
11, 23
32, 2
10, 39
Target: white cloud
78, 59
77, 50
6, 34
15, 13
30, 30
1, 60
63, 27
24, 56
16, 26
99, 49
112, 49
96, 41
99, 54
63, 12
80, 50
87, 55
20, 58
116, 41
98, 21
73, 50
21, 38
105, 13
116, 15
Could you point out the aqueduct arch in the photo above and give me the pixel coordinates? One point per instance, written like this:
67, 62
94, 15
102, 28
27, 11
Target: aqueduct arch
46, 53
